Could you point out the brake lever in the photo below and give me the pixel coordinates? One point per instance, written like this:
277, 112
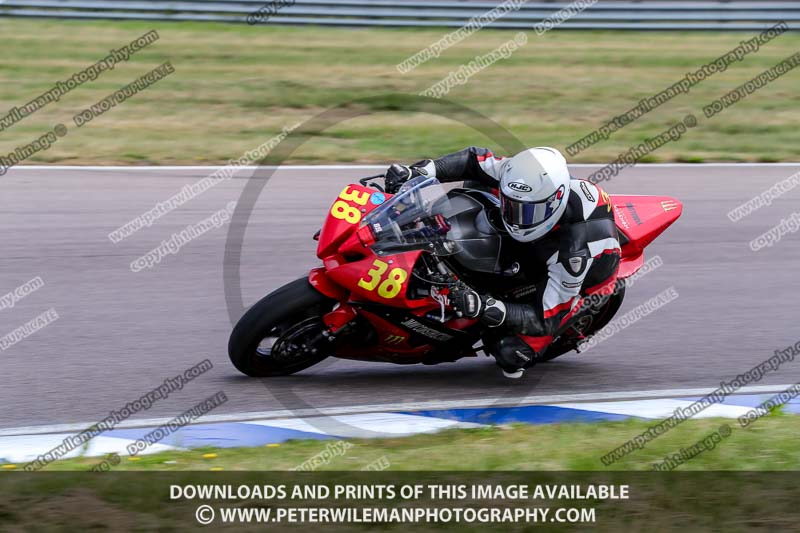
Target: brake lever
363, 181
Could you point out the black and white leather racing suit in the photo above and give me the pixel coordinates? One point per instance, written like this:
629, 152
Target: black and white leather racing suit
580, 255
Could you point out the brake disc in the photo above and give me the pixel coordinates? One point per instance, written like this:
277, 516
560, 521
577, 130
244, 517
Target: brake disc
299, 340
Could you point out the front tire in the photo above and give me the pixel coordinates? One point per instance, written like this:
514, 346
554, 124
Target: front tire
290, 315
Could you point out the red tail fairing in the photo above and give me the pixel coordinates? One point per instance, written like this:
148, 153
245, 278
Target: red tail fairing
640, 219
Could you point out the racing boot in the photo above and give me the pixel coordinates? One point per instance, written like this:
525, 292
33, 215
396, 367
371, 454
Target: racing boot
512, 355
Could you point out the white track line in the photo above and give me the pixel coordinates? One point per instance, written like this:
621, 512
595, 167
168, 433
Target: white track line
356, 167
411, 406
204, 167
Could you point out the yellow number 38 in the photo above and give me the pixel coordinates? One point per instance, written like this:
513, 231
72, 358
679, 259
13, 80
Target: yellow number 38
388, 287
343, 208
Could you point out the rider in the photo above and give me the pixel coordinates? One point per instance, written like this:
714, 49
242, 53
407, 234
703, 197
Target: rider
557, 223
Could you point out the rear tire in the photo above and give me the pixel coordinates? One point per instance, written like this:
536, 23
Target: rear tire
275, 315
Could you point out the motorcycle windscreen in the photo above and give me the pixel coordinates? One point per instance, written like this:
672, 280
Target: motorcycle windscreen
413, 219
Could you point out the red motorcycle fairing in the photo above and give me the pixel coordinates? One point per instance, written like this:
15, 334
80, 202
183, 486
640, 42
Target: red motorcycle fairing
344, 216
356, 277
318, 279
377, 279
352, 265
407, 337
640, 219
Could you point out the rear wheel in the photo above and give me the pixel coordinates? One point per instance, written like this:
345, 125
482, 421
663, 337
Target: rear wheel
282, 333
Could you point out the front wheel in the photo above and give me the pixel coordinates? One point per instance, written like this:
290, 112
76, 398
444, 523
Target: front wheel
282, 333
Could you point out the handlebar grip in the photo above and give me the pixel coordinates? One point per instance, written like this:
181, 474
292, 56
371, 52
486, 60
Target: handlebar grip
363, 181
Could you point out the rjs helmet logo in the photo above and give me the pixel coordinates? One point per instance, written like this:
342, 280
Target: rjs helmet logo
519, 187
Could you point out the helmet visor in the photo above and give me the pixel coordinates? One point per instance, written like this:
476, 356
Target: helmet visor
526, 215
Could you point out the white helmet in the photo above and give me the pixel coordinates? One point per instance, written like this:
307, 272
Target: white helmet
534, 188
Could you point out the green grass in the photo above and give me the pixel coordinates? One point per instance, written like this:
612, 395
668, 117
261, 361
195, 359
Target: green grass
769, 444
235, 86
738, 486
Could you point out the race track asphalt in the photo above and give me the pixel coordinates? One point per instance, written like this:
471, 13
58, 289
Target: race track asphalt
121, 333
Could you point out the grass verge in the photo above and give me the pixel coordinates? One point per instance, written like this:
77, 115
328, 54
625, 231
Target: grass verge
768, 444
235, 86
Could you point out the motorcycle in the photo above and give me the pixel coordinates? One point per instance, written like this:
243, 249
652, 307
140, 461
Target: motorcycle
388, 264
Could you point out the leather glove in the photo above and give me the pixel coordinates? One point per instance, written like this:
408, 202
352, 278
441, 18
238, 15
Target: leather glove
468, 303
397, 175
